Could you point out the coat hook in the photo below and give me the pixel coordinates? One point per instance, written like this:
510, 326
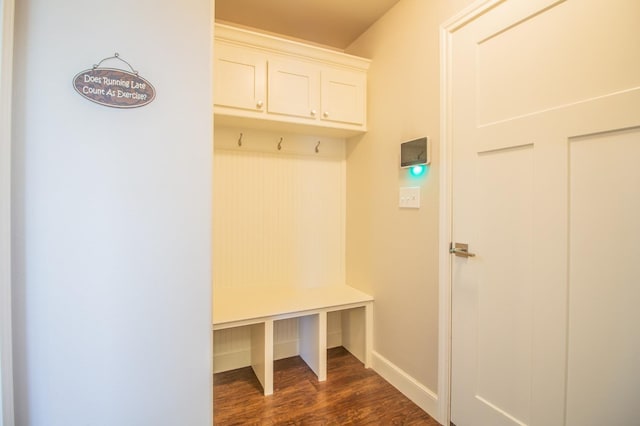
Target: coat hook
280, 144
318, 147
240, 140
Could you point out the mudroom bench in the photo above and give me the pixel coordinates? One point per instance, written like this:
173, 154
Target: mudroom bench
259, 307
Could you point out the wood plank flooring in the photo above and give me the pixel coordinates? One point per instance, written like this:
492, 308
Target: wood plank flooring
352, 395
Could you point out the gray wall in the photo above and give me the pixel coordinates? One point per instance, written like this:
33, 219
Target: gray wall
112, 217
391, 252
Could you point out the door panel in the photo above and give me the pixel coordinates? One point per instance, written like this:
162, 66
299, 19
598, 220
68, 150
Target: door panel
505, 279
555, 62
604, 279
534, 113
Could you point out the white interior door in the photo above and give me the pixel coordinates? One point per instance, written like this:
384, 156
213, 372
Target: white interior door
545, 109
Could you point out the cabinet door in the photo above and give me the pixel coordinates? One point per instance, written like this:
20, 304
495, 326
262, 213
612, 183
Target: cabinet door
240, 78
343, 96
294, 88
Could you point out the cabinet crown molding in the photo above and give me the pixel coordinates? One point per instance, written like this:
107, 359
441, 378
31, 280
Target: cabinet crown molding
273, 44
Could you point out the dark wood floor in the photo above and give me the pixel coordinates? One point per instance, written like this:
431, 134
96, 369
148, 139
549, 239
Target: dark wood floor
352, 395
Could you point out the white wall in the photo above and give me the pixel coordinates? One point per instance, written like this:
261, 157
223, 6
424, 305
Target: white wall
112, 218
392, 253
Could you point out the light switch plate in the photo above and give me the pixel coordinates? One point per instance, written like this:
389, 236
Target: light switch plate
410, 197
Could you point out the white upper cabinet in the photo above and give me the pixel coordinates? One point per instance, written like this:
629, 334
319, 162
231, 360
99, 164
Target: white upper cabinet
343, 95
294, 88
240, 78
264, 81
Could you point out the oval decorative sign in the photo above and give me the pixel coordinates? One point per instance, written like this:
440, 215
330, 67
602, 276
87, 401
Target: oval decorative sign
114, 87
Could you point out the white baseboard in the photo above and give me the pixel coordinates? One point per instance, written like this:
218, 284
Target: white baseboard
422, 396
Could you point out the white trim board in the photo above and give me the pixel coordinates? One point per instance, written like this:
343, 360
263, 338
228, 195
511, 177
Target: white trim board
445, 227
7, 8
421, 395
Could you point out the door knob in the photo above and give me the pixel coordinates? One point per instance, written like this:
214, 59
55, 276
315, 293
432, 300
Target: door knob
460, 250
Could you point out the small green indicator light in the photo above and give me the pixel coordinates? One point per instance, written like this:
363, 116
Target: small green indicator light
417, 171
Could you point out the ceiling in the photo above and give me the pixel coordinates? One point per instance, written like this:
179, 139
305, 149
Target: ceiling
333, 23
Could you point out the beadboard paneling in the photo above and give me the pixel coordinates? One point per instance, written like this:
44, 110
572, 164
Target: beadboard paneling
334, 329
279, 215
285, 338
279, 219
231, 348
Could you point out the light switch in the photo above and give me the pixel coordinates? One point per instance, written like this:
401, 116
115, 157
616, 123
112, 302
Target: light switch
410, 197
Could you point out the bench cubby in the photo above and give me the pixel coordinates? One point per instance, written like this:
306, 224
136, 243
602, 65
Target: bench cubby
259, 308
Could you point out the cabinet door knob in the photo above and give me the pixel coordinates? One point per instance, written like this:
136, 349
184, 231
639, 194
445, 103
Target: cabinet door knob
313, 112
260, 104
326, 114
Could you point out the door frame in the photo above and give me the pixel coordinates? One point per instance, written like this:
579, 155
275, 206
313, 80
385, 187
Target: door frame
447, 30
7, 8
